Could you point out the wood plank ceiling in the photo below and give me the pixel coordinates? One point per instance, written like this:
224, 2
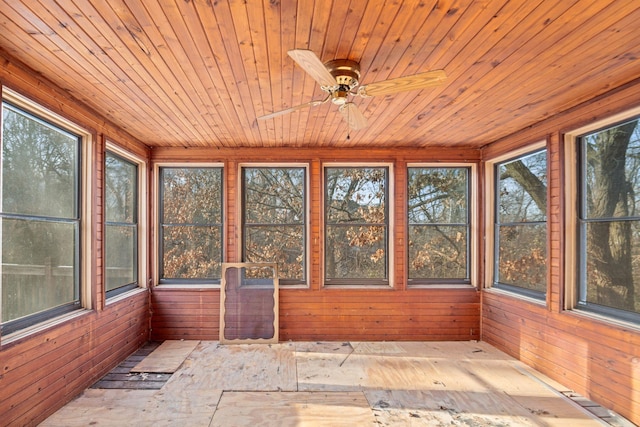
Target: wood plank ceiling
198, 72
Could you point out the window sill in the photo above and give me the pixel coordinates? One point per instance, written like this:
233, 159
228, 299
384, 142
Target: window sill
125, 295
190, 286
363, 286
608, 320
464, 286
43, 326
539, 301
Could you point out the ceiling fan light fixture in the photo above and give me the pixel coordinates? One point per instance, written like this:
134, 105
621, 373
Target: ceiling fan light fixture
339, 96
345, 71
339, 77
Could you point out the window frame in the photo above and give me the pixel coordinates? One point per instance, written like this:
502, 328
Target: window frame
157, 225
305, 282
85, 216
140, 225
389, 214
491, 203
574, 242
472, 229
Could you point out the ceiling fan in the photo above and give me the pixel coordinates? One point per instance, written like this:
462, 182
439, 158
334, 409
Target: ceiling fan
339, 79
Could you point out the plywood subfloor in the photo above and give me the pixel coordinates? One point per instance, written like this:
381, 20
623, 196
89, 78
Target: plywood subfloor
334, 384
167, 358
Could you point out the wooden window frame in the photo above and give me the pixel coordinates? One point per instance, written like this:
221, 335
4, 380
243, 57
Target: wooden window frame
241, 214
490, 183
84, 193
156, 250
390, 250
572, 245
141, 226
473, 237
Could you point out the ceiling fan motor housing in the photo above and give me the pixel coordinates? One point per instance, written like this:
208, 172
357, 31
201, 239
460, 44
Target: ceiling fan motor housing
347, 74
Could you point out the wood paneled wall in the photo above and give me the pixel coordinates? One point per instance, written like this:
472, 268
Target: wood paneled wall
598, 359
41, 372
331, 314
318, 312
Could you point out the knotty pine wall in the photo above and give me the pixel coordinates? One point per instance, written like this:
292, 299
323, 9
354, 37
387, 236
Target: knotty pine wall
41, 372
592, 357
319, 312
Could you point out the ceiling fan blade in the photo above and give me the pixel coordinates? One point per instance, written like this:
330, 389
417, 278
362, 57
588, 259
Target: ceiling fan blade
401, 84
292, 109
310, 62
353, 116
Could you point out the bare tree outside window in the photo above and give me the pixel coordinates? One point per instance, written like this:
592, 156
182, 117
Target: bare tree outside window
609, 218
191, 223
521, 224
275, 220
438, 214
356, 225
121, 223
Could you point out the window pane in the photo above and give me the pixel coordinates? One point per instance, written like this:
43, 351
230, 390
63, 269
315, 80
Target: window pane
520, 224
274, 195
38, 266
522, 191
283, 245
355, 195
120, 190
438, 252
610, 275
39, 167
192, 195
612, 163
356, 252
274, 219
438, 217
191, 252
523, 256
191, 223
610, 219
121, 256
356, 224
438, 195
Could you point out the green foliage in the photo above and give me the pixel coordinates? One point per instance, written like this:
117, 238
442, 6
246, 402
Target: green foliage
40, 219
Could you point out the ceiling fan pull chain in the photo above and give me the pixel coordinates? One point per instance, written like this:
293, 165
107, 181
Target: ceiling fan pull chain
348, 126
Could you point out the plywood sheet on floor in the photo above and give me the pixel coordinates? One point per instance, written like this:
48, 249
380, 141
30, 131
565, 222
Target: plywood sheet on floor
392, 366
239, 367
337, 383
142, 408
282, 409
167, 358
446, 408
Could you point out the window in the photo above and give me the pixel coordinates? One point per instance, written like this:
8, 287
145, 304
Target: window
520, 227
274, 219
121, 224
439, 224
190, 224
41, 213
356, 220
609, 221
